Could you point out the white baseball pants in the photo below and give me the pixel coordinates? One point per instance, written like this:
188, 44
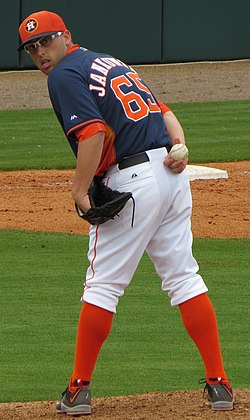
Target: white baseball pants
161, 226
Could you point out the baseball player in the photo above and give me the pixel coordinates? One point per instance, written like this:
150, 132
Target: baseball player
121, 134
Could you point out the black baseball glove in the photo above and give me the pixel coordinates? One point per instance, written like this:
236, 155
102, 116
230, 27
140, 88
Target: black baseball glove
105, 203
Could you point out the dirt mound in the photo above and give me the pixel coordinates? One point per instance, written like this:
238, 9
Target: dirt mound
151, 406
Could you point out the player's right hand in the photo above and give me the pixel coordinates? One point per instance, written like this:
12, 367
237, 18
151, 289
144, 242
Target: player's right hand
177, 167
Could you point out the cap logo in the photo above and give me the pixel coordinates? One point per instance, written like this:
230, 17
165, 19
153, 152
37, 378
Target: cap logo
31, 25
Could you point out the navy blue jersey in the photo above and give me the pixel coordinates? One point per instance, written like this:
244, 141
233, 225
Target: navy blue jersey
87, 88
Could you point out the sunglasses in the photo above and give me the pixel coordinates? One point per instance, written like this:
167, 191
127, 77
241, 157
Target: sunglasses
42, 42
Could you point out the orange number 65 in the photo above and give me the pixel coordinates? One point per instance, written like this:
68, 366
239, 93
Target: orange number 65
141, 108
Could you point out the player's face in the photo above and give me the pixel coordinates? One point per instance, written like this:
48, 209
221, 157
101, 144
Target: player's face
49, 51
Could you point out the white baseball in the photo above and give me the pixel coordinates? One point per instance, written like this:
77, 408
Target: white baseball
179, 151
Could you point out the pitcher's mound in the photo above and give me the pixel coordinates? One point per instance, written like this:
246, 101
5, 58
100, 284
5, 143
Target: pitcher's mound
151, 406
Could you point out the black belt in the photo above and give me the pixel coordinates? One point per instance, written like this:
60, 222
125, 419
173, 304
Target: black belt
133, 160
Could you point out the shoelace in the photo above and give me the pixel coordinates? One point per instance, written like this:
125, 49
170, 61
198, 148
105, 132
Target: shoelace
203, 381
64, 392
216, 380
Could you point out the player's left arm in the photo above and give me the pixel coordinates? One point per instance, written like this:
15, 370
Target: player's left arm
88, 158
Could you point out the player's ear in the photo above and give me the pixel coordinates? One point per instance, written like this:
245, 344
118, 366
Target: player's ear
68, 38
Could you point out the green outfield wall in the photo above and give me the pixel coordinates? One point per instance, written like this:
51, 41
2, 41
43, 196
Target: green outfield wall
138, 31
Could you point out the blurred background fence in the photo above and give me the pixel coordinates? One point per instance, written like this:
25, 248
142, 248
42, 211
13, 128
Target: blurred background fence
138, 31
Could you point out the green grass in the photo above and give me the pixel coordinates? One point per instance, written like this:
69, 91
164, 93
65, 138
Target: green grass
215, 132
33, 139
148, 349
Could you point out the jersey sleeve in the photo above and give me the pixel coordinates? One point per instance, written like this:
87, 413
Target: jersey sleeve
164, 108
72, 101
88, 131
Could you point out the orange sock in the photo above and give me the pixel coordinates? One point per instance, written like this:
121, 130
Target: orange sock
199, 319
93, 328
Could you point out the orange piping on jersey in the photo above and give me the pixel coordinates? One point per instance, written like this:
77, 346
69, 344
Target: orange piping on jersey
73, 48
77, 127
108, 152
164, 108
91, 129
87, 130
